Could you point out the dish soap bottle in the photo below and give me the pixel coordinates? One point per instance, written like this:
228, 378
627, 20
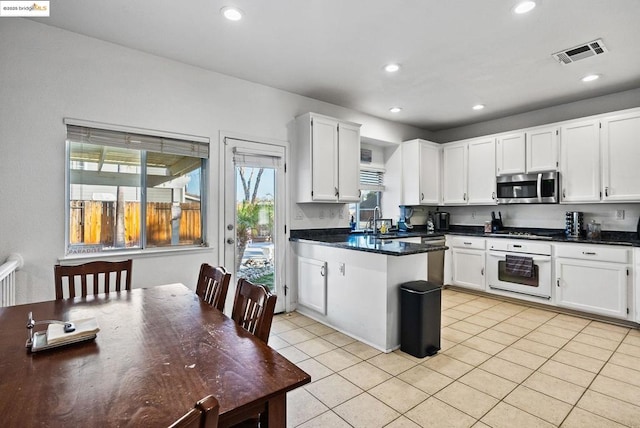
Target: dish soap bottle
383, 228
352, 223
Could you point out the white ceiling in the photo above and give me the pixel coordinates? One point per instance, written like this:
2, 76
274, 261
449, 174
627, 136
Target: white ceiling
454, 53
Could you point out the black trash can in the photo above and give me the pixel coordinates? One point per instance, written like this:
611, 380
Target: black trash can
420, 304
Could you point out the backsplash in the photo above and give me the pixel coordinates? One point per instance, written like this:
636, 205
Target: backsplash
551, 216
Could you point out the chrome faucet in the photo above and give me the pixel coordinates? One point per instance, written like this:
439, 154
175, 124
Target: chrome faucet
376, 209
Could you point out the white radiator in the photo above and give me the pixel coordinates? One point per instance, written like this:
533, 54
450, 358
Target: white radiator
8, 280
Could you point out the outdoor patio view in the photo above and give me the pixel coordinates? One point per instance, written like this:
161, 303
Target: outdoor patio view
254, 225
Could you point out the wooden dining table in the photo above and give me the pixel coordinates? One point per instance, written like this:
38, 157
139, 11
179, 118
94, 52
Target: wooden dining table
158, 351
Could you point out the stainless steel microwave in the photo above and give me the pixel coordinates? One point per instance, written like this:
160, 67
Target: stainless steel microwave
541, 188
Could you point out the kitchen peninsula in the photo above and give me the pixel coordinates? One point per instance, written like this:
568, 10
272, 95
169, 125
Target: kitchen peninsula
351, 282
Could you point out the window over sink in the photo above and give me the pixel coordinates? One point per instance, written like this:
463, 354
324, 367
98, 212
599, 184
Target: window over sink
371, 190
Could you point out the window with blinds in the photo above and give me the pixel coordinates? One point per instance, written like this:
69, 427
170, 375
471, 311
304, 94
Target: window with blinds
372, 187
133, 189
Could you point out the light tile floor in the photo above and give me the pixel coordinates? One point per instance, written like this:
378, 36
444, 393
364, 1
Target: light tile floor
501, 365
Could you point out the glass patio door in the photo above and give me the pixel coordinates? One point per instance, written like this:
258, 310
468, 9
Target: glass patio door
254, 214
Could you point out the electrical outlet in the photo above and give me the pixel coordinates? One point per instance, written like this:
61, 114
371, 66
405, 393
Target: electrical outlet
332, 213
342, 268
299, 215
473, 214
620, 214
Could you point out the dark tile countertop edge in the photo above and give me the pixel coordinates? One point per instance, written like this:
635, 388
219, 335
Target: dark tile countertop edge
337, 237
342, 238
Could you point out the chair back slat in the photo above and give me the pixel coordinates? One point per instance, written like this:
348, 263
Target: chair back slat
92, 275
213, 284
253, 308
203, 415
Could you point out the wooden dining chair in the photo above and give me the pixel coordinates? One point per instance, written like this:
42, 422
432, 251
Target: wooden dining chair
253, 308
213, 284
203, 415
95, 277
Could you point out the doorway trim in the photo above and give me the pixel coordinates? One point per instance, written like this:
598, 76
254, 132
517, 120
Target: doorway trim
223, 136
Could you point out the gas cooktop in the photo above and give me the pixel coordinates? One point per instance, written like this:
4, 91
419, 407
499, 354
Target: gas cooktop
536, 234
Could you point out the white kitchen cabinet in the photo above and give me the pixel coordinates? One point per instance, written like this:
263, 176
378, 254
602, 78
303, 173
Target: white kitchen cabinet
312, 284
454, 164
421, 173
594, 279
580, 160
620, 137
481, 186
542, 149
510, 158
636, 286
468, 261
327, 159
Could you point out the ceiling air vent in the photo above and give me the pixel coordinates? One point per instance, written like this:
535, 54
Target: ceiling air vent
577, 53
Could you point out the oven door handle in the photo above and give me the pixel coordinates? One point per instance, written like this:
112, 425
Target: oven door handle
535, 257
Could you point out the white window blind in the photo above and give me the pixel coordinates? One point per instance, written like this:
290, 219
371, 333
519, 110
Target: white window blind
371, 179
129, 140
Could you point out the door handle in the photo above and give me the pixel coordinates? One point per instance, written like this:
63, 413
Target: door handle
230, 241
322, 271
482, 271
606, 191
558, 282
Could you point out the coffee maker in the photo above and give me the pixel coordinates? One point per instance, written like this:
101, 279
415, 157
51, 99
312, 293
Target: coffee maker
440, 220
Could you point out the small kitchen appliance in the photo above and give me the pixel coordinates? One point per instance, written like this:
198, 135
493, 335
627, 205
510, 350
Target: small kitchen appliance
541, 188
574, 224
440, 220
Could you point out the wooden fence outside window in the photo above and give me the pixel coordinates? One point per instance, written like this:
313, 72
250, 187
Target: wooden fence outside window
94, 223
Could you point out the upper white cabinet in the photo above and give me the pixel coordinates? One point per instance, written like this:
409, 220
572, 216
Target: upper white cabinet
328, 159
510, 158
535, 150
580, 160
481, 177
421, 172
620, 138
542, 149
469, 172
454, 181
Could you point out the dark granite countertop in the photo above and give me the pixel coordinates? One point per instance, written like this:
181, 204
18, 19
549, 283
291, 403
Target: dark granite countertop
390, 243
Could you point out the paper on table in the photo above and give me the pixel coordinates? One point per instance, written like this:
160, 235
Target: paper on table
84, 328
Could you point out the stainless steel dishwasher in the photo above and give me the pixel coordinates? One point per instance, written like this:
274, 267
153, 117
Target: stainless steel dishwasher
435, 263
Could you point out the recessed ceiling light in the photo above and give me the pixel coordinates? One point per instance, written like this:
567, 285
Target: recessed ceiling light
395, 109
590, 78
231, 13
524, 7
391, 68
478, 107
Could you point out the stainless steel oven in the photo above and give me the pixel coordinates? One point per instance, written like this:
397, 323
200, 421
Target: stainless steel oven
519, 266
539, 188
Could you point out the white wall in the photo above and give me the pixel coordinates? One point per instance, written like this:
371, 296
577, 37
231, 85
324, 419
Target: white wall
47, 74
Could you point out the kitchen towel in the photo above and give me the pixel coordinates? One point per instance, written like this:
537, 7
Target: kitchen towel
519, 265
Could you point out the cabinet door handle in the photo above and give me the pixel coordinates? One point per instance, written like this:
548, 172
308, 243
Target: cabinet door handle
464, 197
493, 195
558, 282
322, 271
482, 271
422, 196
336, 189
588, 253
606, 191
517, 246
467, 243
564, 193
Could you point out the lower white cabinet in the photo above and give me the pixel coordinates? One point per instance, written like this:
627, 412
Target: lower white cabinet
468, 262
596, 280
312, 284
